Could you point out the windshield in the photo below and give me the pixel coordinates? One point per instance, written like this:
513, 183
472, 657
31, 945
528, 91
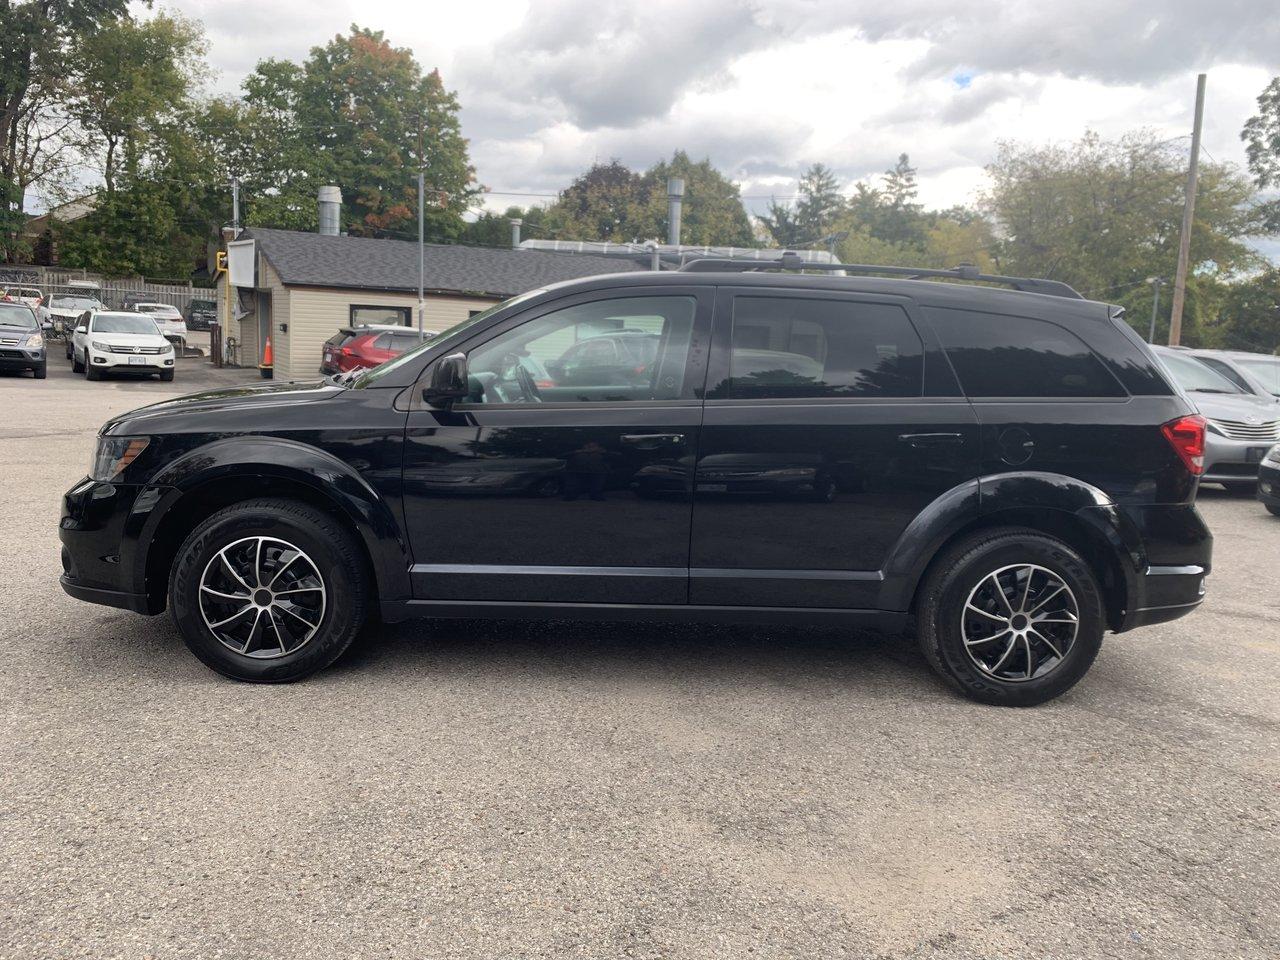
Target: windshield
1196, 377
123, 323
378, 372
1266, 370
74, 303
16, 315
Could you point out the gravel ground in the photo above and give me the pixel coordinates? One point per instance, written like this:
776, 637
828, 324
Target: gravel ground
509, 790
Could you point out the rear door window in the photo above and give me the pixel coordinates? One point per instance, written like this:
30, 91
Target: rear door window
1002, 356
793, 348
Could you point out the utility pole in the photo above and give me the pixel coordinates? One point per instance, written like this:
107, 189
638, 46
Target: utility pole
422, 262
235, 206
1188, 216
1155, 306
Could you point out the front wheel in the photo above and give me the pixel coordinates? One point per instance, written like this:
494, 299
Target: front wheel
1011, 617
1272, 509
166, 375
269, 591
41, 371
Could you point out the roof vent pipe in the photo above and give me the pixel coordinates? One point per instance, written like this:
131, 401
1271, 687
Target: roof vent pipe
675, 196
515, 232
329, 206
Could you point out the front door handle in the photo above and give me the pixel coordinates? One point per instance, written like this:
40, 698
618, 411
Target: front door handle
931, 439
651, 439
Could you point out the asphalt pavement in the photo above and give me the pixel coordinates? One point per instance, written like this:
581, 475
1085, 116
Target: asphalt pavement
507, 790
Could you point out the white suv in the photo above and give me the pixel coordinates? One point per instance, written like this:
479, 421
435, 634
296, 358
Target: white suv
115, 340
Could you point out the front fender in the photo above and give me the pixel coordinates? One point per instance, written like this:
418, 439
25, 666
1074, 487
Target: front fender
329, 478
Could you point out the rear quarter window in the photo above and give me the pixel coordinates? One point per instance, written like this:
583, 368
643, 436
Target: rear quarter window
1004, 357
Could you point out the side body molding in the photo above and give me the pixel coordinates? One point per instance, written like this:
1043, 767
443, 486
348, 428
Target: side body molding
368, 510
1020, 495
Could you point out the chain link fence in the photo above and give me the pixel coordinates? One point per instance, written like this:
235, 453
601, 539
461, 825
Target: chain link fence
112, 291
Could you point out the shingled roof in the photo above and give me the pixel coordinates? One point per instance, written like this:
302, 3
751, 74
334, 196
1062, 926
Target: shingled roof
314, 260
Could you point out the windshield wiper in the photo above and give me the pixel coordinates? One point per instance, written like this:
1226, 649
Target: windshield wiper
1211, 390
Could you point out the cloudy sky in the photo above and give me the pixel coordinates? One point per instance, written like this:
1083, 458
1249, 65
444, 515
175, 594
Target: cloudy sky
765, 88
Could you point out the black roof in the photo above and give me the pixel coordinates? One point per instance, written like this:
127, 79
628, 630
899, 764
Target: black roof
314, 260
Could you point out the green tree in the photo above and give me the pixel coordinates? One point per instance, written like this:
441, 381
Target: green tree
608, 202
1105, 215
712, 213
36, 39
819, 204
1261, 135
1248, 317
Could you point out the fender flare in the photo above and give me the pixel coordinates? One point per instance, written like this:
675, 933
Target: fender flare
373, 518
988, 496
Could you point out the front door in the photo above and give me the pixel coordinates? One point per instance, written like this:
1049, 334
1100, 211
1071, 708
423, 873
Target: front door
831, 421
561, 481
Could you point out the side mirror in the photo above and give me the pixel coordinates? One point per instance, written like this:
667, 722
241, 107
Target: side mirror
82, 329
448, 381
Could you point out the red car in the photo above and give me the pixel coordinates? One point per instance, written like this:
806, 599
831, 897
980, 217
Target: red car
358, 348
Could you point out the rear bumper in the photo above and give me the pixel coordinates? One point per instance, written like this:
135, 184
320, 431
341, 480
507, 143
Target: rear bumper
1174, 558
1167, 593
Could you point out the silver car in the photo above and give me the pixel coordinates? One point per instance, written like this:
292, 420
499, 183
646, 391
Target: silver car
1256, 373
1242, 426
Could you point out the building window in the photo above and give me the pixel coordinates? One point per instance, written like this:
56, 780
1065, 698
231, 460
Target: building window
364, 314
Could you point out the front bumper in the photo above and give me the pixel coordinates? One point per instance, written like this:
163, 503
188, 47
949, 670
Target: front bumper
22, 358
1227, 460
100, 527
150, 362
1269, 483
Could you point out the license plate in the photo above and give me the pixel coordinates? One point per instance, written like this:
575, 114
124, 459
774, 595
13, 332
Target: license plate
1255, 454
137, 361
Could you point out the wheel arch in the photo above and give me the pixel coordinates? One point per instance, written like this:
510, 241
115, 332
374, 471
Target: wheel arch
1080, 515
217, 475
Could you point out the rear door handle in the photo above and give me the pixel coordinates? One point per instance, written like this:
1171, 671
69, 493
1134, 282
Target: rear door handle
931, 439
652, 439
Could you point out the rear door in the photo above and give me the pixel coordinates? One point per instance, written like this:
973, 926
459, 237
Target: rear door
831, 421
546, 488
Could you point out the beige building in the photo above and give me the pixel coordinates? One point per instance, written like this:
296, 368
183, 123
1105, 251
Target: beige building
307, 286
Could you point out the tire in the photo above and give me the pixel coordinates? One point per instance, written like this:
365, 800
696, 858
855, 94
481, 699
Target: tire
960, 580
302, 644
90, 371
1272, 509
1241, 488
166, 375
76, 365
41, 371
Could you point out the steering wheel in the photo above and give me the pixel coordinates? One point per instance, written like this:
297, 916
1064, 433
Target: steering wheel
524, 380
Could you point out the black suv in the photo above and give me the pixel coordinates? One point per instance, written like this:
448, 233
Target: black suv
1009, 472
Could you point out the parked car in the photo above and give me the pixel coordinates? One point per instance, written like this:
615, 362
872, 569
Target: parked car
1269, 481
359, 348
1241, 426
131, 300
119, 341
16, 293
1255, 373
22, 344
67, 308
1011, 471
626, 355
168, 318
201, 314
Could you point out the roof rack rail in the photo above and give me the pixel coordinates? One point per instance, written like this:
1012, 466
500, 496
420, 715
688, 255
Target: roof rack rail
965, 271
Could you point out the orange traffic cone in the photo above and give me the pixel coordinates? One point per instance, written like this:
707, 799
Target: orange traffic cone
265, 367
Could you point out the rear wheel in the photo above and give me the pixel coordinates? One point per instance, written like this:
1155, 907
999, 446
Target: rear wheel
269, 591
1010, 617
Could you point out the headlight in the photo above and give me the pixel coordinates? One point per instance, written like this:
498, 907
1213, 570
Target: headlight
167, 348
100, 347
114, 454
35, 341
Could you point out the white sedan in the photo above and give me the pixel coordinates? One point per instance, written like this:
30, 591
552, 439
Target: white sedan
113, 341
168, 318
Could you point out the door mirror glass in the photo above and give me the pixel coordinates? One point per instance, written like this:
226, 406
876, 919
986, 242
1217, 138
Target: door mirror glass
82, 329
448, 380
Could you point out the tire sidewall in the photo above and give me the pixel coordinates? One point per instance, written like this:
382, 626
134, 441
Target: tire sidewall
984, 559
343, 602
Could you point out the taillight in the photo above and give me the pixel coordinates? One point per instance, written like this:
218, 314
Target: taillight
1186, 436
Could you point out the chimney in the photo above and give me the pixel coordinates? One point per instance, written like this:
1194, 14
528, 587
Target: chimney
675, 196
329, 204
515, 232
